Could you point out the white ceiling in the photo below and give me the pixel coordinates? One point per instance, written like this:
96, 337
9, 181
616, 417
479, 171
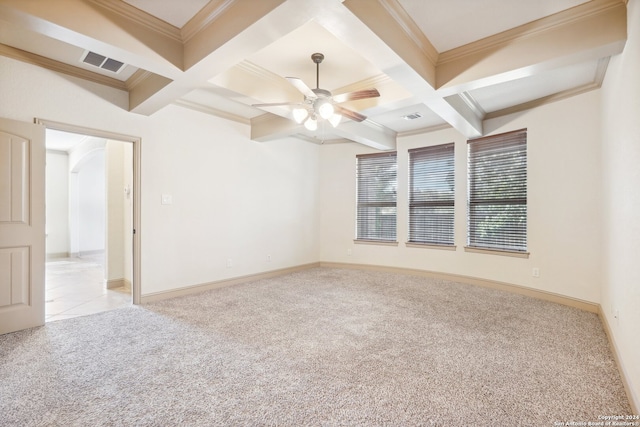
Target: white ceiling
455, 63
176, 13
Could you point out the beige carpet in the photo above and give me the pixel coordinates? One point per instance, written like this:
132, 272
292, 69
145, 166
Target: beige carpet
326, 347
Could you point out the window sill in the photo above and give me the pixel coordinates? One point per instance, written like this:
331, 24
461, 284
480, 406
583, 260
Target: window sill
496, 252
430, 246
375, 242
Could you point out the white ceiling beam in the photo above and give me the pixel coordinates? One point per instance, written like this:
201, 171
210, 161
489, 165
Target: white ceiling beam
388, 32
236, 17
367, 133
60, 67
268, 127
458, 114
414, 60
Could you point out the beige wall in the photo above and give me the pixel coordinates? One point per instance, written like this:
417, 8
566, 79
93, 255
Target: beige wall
621, 200
232, 199
564, 216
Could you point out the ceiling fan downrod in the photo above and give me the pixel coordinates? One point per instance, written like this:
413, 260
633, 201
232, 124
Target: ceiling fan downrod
317, 58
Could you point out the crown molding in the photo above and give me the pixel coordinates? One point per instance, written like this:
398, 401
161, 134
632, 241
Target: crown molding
368, 83
319, 141
601, 70
596, 83
140, 17
260, 72
204, 18
574, 14
60, 67
473, 104
428, 129
212, 111
137, 78
408, 25
544, 100
266, 117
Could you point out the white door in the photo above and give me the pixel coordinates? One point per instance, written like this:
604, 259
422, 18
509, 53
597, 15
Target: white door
22, 216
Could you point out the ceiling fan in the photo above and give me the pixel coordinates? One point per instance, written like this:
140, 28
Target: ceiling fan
321, 103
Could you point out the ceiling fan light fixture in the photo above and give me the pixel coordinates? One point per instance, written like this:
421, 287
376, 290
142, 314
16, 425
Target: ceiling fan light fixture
299, 114
335, 120
311, 124
325, 109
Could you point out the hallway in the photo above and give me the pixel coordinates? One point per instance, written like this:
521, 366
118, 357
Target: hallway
75, 287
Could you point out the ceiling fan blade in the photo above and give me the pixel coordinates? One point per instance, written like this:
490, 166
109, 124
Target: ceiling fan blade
301, 86
350, 114
275, 104
359, 94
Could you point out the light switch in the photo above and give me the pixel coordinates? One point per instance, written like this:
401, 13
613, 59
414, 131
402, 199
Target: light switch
167, 199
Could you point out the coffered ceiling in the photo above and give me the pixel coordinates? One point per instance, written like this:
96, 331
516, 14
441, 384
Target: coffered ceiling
446, 63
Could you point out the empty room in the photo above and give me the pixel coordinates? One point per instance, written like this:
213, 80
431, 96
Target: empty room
339, 212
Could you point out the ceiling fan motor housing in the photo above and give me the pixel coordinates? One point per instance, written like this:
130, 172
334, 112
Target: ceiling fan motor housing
322, 93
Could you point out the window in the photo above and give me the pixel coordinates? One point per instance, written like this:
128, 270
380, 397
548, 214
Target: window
497, 199
376, 199
431, 195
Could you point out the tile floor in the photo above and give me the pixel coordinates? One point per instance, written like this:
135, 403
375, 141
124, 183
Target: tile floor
75, 287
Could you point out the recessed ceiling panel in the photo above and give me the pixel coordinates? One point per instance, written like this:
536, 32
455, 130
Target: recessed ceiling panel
450, 24
223, 100
290, 56
409, 118
176, 13
516, 92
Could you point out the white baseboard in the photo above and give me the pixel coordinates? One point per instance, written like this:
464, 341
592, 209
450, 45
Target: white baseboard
89, 253
485, 283
117, 283
633, 399
158, 296
56, 255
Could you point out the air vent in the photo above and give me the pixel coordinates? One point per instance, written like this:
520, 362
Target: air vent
412, 116
103, 62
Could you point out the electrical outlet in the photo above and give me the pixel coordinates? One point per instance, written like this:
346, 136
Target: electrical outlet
268, 258
229, 263
349, 252
535, 272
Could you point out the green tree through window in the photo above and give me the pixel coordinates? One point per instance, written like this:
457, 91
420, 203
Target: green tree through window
497, 199
377, 181
431, 195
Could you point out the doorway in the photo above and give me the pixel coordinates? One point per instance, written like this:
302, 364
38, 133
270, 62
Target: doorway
92, 250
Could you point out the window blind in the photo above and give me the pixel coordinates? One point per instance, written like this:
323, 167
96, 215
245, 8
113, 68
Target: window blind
376, 199
497, 192
432, 195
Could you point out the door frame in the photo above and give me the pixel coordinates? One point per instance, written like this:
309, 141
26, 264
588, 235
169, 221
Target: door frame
137, 151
